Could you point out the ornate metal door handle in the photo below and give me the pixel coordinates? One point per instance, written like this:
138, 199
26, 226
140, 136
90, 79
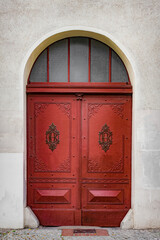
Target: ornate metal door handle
52, 137
105, 137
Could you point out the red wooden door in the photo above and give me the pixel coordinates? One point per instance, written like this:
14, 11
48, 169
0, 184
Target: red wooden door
79, 151
106, 159
53, 183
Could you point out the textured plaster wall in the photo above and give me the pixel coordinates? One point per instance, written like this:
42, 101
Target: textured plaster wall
135, 26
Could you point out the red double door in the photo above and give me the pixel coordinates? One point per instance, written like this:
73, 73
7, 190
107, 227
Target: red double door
79, 158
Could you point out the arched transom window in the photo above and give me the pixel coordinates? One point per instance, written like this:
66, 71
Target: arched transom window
78, 60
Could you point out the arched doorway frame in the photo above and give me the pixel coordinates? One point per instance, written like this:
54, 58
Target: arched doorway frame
66, 32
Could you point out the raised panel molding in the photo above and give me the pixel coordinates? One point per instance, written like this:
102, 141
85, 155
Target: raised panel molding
52, 196
39, 164
101, 196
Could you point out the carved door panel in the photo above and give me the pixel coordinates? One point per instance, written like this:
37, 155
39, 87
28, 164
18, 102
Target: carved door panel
53, 190
106, 159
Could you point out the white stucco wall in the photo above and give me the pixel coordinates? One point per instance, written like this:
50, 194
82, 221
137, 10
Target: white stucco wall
135, 27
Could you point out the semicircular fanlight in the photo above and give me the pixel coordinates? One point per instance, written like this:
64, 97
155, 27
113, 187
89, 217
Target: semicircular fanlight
78, 59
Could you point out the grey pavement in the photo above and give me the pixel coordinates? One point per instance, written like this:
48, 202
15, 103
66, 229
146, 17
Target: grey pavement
55, 233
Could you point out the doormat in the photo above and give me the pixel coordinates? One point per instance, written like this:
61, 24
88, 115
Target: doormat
84, 232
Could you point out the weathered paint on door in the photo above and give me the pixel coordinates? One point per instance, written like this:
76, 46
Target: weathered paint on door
79, 158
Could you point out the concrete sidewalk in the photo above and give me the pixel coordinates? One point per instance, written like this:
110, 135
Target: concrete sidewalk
56, 233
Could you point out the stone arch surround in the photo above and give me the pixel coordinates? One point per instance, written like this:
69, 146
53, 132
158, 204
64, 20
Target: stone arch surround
28, 62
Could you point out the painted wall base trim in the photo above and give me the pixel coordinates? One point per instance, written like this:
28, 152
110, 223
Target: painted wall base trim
30, 219
127, 222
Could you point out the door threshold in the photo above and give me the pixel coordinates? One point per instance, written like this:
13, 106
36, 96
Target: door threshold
78, 227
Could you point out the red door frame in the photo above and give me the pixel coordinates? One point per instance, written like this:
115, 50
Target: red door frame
80, 89
96, 88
